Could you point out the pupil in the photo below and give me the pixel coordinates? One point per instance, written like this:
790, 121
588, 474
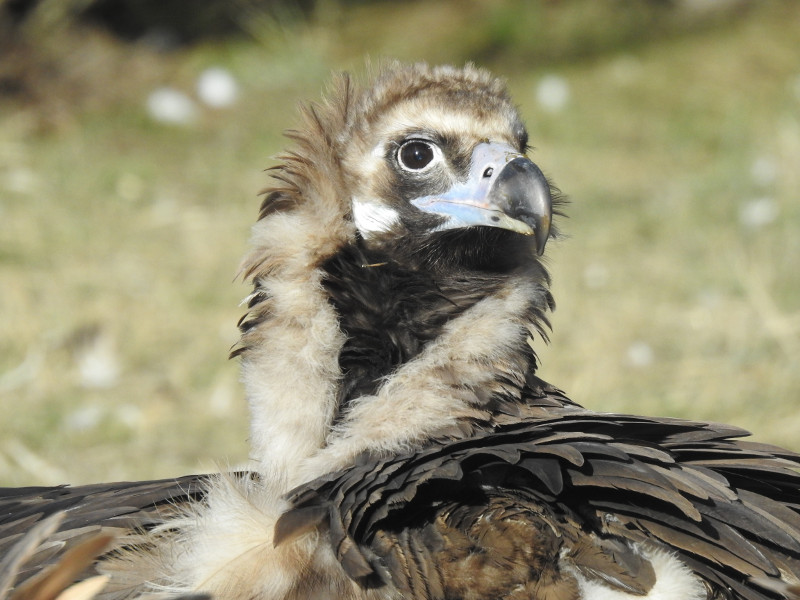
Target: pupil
416, 155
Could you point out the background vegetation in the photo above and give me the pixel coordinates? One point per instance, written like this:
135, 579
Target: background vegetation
673, 127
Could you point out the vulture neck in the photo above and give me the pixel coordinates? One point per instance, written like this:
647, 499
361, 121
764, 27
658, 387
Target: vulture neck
380, 350
390, 310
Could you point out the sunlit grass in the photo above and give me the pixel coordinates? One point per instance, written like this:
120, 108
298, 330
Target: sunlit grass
120, 239
662, 153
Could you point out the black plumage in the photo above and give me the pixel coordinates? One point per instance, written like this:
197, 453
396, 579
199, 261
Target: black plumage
589, 477
389, 308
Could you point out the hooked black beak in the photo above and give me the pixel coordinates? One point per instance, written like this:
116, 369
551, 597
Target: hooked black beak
504, 189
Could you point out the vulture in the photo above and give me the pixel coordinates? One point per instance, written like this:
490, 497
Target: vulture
402, 443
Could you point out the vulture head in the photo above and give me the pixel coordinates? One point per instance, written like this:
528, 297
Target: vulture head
437, 176
429, 167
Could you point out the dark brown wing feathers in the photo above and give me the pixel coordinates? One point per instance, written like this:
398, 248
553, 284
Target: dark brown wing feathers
727, 508
70, 526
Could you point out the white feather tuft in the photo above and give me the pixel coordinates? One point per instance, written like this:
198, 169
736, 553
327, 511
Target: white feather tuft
372, 218
674, 581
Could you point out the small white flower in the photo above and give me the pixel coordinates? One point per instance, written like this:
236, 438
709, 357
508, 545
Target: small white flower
98, 363
129, 415
553, 92
764, 171
168, 105
84, 418
595, 276
22, 181
217, 88
758, 213
640, 354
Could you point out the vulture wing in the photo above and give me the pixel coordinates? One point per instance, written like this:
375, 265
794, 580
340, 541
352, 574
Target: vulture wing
540, 509
49, 529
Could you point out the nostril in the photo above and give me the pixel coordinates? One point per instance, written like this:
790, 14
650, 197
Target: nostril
488, 172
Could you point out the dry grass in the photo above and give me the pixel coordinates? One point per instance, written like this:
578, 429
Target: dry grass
120, 238
664, 153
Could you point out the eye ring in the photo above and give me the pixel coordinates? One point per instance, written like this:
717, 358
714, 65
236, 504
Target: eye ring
417, 155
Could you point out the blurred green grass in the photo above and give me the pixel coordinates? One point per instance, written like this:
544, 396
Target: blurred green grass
120, 237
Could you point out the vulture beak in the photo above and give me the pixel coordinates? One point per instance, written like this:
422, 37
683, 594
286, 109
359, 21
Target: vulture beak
504, 189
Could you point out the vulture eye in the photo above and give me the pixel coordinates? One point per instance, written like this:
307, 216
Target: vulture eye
416, 155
